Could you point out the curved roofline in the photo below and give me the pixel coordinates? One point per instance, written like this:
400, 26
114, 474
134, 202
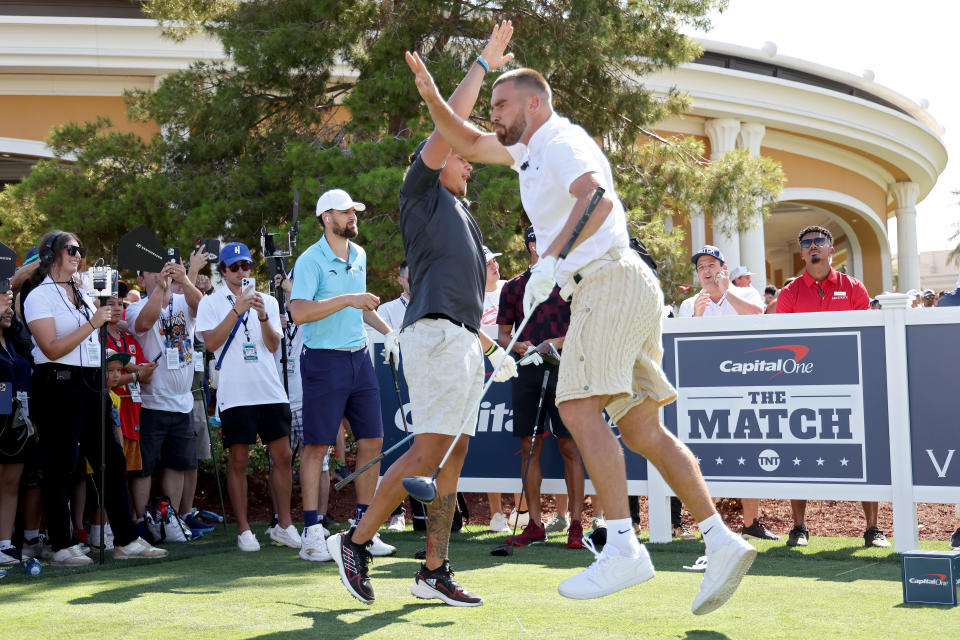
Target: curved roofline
865, 88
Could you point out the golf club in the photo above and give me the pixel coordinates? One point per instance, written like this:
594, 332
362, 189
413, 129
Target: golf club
424, 488
507, 549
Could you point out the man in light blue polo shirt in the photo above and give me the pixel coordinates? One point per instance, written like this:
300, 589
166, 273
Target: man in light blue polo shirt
330, 302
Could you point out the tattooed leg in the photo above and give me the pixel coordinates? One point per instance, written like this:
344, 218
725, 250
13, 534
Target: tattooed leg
440, 511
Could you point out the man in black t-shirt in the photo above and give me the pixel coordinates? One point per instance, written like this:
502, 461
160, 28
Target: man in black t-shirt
441, 346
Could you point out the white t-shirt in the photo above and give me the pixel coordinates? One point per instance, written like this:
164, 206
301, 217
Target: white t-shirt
50, 300
392, 312
722, 308
491, 306
169, 388
294, 344
558, 153
248, 373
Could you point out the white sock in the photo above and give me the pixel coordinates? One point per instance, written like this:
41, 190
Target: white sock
715, 532
620, 534
30, 534
95, 530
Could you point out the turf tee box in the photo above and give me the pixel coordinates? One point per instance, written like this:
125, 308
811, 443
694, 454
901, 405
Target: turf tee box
930, 577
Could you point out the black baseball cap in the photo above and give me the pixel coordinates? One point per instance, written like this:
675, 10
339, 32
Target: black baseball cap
529, 235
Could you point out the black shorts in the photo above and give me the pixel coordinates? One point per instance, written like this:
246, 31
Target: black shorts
241, 425
167, 436
14, 441
526, 396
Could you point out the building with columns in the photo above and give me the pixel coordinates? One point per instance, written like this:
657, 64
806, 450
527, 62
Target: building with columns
854, 153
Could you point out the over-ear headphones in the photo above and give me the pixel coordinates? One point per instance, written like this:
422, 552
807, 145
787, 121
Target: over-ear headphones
47, 254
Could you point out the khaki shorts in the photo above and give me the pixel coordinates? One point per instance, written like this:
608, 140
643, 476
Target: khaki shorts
613, 346
443, 365
131, 451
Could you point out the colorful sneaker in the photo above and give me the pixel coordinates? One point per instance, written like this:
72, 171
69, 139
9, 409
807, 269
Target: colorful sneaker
726, 567
799, 536
680, 531
575, 535
557, 523
379, 548
195, 523
288, 537
246, 541
873, 537
138, 549
609, 573
498, 523
955, 540
70, 557
534, 533
314, 545
398, 523
352, 559
440, 583
758, 532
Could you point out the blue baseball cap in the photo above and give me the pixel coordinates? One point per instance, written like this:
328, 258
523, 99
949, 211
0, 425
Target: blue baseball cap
708, 250
32, 254
234, 252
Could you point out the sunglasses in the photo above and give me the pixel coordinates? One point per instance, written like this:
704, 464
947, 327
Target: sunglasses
241, 265
806, 243
74, 250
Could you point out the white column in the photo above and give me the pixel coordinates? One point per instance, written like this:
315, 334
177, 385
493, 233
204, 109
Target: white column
723, 133
753, 250
908, 257
698, 229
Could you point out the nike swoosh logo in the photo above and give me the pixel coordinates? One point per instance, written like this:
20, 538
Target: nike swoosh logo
708, 530
622, 532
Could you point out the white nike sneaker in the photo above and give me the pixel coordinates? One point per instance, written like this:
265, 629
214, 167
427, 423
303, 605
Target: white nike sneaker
498, 523
726, 567
288, 537
609, 573
397, 523
314, 544
380, 548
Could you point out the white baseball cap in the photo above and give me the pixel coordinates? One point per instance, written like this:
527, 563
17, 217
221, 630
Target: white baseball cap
337, 199
489, 255
741, 271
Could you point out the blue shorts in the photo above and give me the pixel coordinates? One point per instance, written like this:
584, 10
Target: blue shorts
336, 385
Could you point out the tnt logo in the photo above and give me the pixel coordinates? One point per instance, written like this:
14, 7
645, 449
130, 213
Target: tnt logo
769, 460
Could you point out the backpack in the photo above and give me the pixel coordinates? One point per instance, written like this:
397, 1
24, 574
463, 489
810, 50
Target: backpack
164, 523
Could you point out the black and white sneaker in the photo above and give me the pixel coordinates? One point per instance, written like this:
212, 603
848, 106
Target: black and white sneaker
352, 560
799, 536
441, 584
758, 532
873, 537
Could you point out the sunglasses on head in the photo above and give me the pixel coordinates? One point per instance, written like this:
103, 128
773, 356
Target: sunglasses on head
806, 243
73, 250
240, 265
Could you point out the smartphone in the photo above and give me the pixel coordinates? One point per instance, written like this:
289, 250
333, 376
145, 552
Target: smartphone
173, 254
211, 246
248, 282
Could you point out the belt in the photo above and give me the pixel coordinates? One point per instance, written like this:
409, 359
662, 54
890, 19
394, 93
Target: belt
567, 290
351, 349
442, 316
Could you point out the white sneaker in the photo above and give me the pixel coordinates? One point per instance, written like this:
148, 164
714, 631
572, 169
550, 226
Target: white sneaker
524, 519
314, 544
107, 533
609, 573
38, 547
247, 541
726, 566
498, 523
269, 530
557, 523
9, 559
71, 557
380, 548
139, 548
288, 537
398, 523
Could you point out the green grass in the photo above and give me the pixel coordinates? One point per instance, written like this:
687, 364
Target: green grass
207, 589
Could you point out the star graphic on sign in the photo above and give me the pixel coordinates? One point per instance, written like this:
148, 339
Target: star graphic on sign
796, 462
819, 462
843, 462
741, 461
719, 460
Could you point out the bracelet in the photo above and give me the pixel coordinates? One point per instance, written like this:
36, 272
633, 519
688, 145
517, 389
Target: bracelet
91, 324
489, 352
483, 63
263, 319
234, 309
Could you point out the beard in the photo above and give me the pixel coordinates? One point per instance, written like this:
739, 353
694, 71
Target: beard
511, 135
345, 231
815, 259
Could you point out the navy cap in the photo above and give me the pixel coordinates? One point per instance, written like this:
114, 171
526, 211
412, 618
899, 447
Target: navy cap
708, 250
234, 252
31, 256
529, 235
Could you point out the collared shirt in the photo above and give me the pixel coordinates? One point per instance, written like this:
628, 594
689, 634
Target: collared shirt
558, 153
551, 318
320, 274
838, 292
721, 307
392, 312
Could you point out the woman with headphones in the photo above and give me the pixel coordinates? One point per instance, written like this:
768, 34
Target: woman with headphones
67, 401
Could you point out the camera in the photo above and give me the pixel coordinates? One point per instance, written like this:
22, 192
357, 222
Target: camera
173, 254
103, 282
211, 247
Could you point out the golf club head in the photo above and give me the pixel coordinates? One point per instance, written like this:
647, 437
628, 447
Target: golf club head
552, 356
502, 550
421, 488
421, 554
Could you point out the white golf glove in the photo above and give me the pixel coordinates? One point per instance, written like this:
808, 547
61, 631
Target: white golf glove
540, 284
532, 356
391, 348
507, 370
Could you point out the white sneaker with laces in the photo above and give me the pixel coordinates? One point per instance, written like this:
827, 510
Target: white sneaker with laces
246, 541
397, 523
609, 573
288, 537
523, 517
726, 567
71, 557
139, 548
498, 523
314, 544
380, 548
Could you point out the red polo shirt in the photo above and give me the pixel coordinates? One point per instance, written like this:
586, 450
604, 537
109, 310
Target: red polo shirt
839, 292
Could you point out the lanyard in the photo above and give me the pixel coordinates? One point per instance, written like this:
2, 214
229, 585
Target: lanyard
243, 318
118, 346
291, 334
233, 332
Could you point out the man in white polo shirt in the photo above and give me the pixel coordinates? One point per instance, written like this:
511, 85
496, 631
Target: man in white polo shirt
718, 297
607, 363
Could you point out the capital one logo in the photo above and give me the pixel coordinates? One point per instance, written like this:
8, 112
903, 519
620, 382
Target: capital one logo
932, 579
789, 366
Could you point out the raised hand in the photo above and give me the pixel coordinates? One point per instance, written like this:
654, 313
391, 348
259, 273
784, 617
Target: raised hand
497, 44
422, 78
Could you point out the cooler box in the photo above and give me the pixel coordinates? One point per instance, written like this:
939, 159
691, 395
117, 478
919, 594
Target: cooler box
930, 577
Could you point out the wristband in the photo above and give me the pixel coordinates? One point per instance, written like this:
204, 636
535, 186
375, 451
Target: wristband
91, 324
489, 352
234, 309
263, 319
483, 63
